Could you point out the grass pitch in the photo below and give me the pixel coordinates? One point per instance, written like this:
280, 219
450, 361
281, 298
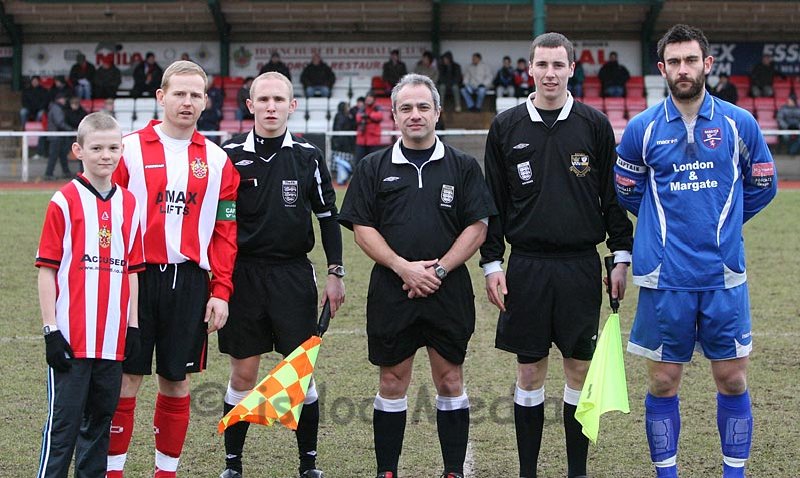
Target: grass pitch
348, 382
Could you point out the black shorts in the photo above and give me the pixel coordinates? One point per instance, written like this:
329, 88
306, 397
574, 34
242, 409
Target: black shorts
397, 326
172, 306
273, 307
551, 299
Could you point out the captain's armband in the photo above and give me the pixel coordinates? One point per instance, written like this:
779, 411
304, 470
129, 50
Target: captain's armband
226, 211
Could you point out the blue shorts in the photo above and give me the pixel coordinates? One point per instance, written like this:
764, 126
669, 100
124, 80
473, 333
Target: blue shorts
671, 324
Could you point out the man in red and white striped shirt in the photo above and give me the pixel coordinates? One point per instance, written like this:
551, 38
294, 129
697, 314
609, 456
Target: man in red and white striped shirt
186, 187
89, 255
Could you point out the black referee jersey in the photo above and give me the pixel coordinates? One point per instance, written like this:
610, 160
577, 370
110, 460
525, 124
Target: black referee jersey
277, 196
553, 187
419, 212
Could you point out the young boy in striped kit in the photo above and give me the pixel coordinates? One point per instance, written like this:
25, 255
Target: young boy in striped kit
89, 255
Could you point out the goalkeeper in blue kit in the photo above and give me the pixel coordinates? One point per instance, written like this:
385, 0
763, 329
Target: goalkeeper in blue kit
693, 169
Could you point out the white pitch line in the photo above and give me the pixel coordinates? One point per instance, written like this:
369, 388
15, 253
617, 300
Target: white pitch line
469, 462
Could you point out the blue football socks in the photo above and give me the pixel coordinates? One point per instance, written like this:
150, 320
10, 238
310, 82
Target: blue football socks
663, 426
735, 424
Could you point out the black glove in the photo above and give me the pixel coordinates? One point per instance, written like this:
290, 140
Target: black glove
133, 342
56, 350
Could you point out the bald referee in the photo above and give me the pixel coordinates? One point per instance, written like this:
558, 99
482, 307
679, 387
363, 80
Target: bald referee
419, 209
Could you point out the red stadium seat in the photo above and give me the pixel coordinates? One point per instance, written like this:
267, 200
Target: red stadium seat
247, 124
230, 125
765, 107
617, 104
634, 91
33, 126
769, 123
594, 101
46, 82
635, 105
97, 104
747, 103
87, 105
615, 114
635, 81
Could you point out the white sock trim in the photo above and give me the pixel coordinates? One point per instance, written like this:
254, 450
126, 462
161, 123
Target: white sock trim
233, 397
448, 404
671, 461
529, 398
734, 462
311, 395
166, 462
116, 462
571, 396
390, 405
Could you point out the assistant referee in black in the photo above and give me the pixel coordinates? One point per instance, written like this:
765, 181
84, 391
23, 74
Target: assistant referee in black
419, 209
549, 165
284, 181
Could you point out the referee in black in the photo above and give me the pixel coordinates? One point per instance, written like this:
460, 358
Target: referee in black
549, 165
284, 181
419, 209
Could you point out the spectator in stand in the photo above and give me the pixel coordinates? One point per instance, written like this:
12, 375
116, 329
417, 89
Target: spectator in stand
108, 107
575, 82
343, 146
146, 77
60, 86
81, 76
368, 128
476, 76
450, 79
523, 81
107, 79
426, 67
215, 96
241, 100
762, 76
185, 57
725, 90
73, 115
789, 118
613, 77
275, 64
504, 79
59, 145
393, 70
34, 106
317, 78
209, 120
360, 101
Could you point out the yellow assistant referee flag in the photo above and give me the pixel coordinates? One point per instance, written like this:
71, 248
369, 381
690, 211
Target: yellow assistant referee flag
605, 388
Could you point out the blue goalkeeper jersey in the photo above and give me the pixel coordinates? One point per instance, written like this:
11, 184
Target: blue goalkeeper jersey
692, 186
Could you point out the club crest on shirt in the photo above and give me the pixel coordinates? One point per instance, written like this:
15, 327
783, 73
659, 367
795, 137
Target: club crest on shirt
580, 164
524, 171
447, 195
712, 137
289, 191
199, 168
105, 237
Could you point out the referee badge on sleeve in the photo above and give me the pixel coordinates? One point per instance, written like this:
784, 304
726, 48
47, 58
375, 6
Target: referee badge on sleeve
447, 195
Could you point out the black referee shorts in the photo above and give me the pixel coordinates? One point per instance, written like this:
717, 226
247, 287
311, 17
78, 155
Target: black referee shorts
397, 326
273, 307
172, 306
551, 299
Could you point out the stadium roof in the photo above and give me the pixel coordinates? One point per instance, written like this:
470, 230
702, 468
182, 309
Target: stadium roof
29, 21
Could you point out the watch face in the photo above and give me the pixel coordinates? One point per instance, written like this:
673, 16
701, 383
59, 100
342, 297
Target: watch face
440, 272
338, 271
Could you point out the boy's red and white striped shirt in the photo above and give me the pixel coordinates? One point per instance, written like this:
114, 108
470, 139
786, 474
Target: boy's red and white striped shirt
94, 244
180, 187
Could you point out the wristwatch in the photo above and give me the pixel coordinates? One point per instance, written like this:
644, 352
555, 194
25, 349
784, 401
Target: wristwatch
49, 329
338, 271
440, 271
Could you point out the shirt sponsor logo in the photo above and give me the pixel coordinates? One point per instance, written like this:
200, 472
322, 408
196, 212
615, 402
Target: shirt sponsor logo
447, 195
625, 181
630, 166
521, 146
153, 166
580, 164
391, 179
666, 141
175, 202
199, 168
105, 237
104, 260
289, 191
712, 137
525, 173
244, 162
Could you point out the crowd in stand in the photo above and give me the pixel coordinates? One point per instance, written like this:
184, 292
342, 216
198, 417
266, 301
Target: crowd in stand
468, 86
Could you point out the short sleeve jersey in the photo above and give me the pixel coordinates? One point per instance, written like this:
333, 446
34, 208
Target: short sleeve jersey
419, 211
93, 243
187, 197
692, 186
